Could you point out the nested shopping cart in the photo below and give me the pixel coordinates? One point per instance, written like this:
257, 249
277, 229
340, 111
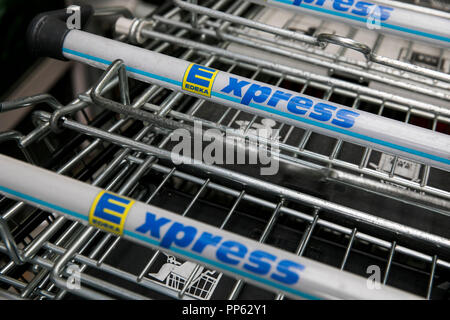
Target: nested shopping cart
358, 210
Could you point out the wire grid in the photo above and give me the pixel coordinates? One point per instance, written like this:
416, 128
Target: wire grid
341, 94
311, 231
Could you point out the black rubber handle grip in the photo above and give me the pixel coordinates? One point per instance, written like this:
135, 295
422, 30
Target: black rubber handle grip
46, 32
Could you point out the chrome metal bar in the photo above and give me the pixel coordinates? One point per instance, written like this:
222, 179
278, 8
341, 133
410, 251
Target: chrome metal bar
430, 283
389, 263
349, 248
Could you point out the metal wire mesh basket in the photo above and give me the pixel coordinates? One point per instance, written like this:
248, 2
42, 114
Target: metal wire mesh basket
307, 208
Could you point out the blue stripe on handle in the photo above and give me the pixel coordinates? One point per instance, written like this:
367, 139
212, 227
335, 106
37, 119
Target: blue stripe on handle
278, 112
156, 243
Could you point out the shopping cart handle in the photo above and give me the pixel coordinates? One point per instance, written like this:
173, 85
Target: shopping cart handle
46, 32
292, 108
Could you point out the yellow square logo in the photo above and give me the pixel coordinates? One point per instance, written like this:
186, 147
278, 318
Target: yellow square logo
199, 79
109, 212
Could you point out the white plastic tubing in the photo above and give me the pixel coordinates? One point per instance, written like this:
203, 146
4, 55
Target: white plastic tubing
151, 226
412, 142
385, 16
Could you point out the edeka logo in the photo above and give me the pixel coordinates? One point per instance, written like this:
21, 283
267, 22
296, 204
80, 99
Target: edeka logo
229, 252
109, 212
199, 79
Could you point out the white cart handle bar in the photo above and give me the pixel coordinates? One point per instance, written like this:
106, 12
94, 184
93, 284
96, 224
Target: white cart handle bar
258, 263
391, 17
50, 36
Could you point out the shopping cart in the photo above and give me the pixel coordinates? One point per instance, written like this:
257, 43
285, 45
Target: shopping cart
175, 274
308, 209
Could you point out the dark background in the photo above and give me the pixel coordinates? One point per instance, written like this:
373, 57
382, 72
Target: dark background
15, 15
